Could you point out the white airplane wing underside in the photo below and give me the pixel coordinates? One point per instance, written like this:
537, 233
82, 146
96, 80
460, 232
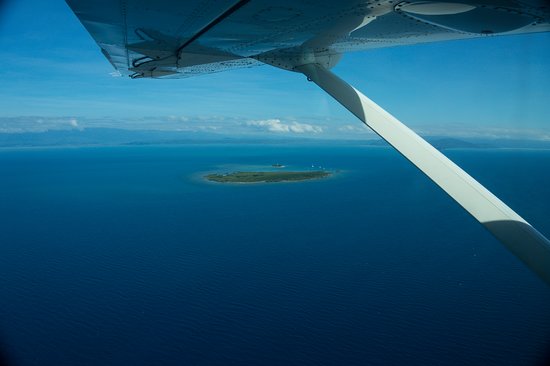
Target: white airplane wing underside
169, 38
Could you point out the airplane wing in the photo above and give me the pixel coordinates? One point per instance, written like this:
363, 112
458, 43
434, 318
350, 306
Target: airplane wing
168, 38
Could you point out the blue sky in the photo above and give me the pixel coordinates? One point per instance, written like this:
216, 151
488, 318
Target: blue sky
54, 76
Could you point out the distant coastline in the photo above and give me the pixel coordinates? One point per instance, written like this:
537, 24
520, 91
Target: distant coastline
92, 137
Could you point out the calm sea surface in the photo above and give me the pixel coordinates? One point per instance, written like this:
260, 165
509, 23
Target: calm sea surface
125, 256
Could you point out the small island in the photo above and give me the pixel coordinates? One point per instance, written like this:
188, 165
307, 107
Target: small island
266, 177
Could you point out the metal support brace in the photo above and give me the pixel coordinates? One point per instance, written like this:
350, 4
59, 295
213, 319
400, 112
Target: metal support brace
517, 235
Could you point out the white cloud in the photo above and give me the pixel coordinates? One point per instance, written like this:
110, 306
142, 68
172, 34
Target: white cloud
482, 132
177, 118
358, 127
276, 125
304, 127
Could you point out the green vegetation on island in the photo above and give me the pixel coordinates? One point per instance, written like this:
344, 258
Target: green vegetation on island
266, 177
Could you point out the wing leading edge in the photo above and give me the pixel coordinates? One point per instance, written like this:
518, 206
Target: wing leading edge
169, 38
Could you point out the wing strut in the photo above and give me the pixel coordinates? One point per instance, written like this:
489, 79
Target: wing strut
514, 232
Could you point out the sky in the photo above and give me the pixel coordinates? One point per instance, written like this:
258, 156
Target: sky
53, 76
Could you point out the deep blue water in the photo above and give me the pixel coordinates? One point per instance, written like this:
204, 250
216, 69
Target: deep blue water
123, 256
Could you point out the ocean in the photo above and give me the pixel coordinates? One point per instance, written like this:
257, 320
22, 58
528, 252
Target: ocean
126, 256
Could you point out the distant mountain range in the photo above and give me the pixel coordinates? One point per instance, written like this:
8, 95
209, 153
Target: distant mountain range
101, 136
111, 136
445, 143
442, 143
